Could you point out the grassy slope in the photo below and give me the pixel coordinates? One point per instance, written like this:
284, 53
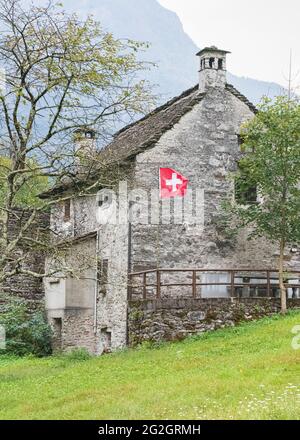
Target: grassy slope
246, 372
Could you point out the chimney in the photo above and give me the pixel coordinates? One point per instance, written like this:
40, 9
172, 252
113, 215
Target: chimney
85, 142
212, 68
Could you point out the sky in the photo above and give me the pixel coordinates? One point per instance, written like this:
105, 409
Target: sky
259, 33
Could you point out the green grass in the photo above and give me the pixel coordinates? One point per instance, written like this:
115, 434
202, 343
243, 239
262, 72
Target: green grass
247, 372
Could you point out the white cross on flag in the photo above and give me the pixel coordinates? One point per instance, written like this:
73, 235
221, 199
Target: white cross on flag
171, 183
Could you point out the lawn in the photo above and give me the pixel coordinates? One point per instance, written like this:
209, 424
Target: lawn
247, 372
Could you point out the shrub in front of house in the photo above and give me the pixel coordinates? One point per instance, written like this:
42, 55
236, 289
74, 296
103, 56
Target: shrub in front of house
26, 330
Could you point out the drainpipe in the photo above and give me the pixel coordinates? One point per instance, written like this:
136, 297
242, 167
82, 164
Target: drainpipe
96, 283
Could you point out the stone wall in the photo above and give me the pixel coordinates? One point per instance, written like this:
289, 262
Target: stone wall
112, 301
76, 331
175, 319
26, 286
203, 146
110, 310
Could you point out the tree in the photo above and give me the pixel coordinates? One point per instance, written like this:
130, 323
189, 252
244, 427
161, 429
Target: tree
61, 75
27, 195
271, 146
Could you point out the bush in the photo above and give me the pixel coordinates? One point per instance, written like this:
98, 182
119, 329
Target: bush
27, 331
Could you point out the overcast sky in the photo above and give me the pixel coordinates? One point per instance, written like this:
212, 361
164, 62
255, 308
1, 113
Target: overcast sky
259, 33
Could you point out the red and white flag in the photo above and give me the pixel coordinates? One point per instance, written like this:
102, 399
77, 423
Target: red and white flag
171, 183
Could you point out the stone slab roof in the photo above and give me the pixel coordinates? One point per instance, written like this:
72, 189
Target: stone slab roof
241, 97
144, 133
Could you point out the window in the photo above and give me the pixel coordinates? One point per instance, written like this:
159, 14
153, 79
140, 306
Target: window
103, 201
89, 134
54, 281
67, 210
57, 324
211, 62
220, 64
245, 190
106, 340
242, 145
57, 334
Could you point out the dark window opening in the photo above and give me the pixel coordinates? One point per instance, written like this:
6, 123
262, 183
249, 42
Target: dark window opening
57, 334
54, 281
245, 191
106, 340
240, 142
220, 64
102, 275
67, 210
211, 63
101, 202
57, 324
84, 133
242, 145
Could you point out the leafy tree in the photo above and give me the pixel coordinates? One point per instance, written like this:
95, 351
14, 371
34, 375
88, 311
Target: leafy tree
271, 145
34, 184
62, 74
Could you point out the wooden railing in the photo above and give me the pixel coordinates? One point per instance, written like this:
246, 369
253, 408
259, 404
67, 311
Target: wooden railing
140, 283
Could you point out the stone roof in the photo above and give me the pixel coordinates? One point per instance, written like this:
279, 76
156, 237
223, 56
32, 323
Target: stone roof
212, 49
144, 133
241, 97
77, 239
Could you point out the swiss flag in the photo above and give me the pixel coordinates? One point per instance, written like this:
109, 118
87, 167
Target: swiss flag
171, 183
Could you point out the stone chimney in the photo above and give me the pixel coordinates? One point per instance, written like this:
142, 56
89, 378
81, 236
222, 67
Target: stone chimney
212, 68
85, 142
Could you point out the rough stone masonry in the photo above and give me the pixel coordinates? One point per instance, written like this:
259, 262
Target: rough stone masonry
27, 287
175, 319
196, 134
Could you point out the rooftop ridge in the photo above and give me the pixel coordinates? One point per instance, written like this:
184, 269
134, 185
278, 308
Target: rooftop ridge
242, 97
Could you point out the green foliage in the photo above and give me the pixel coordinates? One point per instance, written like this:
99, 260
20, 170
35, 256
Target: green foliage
27, 185
76, 74
245, 372
245, 188
26, 332
272, 162
65, 73
78, 354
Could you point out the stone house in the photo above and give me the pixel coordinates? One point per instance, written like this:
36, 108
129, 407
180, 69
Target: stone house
196, 134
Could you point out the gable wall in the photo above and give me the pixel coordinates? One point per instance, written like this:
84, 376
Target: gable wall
203, 147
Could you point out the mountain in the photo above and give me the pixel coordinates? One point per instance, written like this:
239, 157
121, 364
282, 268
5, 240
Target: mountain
171, 48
